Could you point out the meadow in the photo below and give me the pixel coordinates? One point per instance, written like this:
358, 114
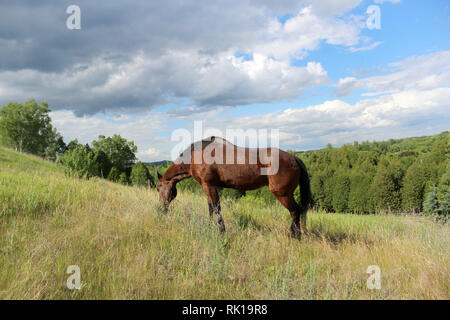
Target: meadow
127, 248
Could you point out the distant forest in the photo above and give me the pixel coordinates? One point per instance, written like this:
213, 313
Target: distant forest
409, 175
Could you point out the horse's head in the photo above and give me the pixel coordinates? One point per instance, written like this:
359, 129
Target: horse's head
167, 191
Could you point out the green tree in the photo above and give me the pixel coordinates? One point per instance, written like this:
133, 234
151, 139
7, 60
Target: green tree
140, 176
79, 162
431, 204
114, 174
444, 205
440, 151
101, 164
359, 200
83, 162
444, 192
322, 189
27, 127
56, 146
386, 186
415, 182
123, 179
444, 183
120, 151
341, 191
74, 144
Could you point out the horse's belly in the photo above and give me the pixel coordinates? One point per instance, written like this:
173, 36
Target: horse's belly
242, 179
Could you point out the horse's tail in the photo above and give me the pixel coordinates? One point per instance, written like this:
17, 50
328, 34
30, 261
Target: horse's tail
305, 188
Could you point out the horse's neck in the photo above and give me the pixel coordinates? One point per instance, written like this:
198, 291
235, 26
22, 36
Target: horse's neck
177, 172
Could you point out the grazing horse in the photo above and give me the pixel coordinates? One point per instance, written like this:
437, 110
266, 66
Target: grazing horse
215, 162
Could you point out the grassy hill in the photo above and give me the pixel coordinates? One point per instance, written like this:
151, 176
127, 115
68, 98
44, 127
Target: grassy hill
127, 248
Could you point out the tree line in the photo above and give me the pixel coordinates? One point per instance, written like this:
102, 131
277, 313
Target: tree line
27, 128
403, 175
409, 175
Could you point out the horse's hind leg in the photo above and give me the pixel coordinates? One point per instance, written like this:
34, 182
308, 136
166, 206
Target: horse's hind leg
214, 205
289, 203
303, 221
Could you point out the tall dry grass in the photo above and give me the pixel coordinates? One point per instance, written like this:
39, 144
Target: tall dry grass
127, 248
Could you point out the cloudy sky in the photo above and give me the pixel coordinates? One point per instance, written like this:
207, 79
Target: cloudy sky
311, 69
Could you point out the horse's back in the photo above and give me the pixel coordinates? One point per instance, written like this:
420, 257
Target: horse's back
223, 164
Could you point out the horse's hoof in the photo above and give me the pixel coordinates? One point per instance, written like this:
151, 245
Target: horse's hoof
296, 234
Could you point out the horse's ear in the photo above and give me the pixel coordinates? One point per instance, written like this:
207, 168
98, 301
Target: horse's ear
159, 175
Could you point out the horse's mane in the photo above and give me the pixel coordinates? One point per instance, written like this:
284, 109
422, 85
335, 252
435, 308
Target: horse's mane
198, 145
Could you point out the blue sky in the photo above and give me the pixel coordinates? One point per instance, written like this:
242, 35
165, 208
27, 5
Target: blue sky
311, 69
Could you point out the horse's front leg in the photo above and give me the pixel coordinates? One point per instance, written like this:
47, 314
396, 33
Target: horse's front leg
214, 205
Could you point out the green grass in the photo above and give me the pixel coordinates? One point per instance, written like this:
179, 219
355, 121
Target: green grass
127, 248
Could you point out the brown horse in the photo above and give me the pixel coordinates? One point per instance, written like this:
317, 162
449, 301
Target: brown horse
215, 162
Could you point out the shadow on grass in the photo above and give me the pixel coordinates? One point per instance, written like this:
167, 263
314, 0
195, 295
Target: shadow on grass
337, 237
245, 221
334, 237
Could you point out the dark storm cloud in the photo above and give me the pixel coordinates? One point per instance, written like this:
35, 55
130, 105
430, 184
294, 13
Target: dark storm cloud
135, 55
33, 34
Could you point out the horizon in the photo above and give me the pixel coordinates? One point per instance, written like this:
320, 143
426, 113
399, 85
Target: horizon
324, 147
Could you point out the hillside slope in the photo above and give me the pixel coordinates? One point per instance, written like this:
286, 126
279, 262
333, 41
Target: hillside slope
127, 248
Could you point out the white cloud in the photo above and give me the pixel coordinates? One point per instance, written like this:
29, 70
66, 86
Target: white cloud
165, 53
388, 116
383, 1
366, 48
145, 81
133, 58
395, 115
304, 32
346, 86
414, 73
330, 7
149, 154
